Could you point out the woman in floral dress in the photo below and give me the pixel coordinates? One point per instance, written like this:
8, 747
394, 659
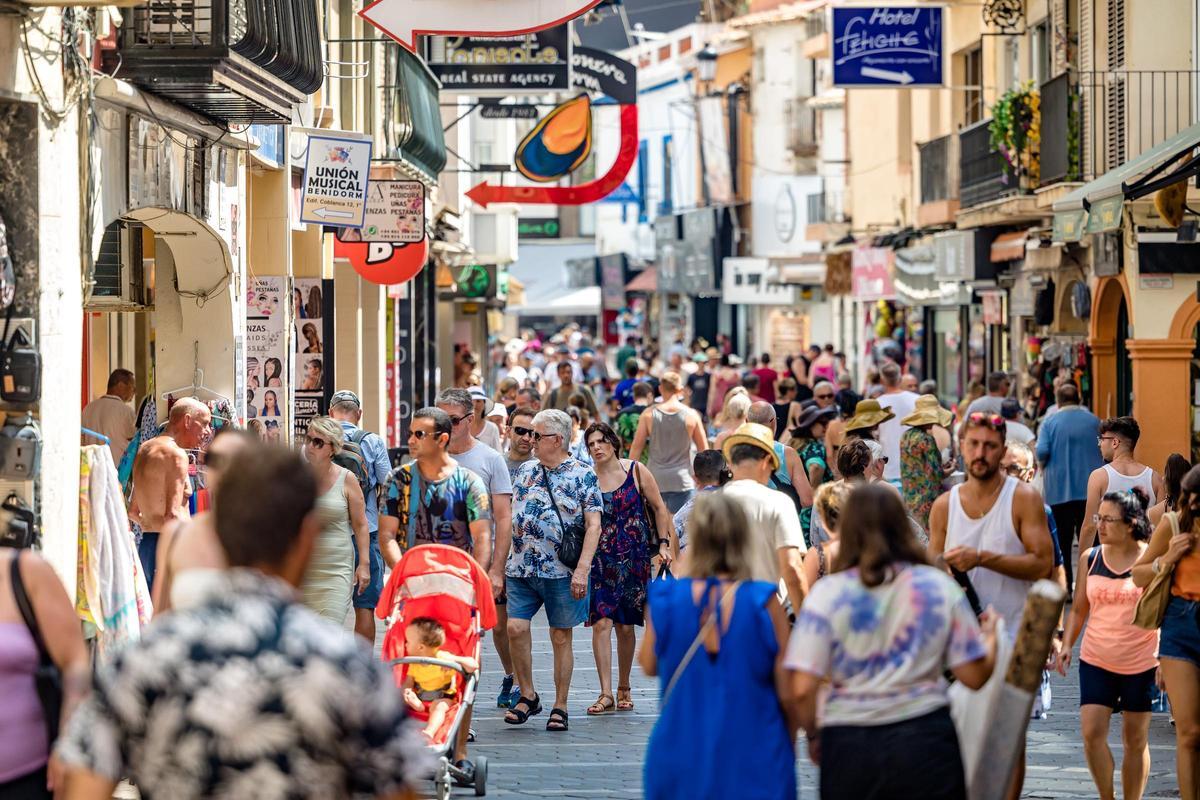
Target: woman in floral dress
808, 437
921, 469
621, 568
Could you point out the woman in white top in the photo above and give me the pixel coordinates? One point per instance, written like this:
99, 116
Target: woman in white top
332, 577
881, 630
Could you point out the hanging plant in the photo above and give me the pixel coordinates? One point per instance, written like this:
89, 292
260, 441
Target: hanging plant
1074, 168
1016, 132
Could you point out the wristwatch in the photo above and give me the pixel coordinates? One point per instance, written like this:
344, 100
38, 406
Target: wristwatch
661, 542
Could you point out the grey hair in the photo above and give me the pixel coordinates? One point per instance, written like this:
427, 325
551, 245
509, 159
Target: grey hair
557, 422
876, 450
331, 430
1021, 449
455, 397
819, 384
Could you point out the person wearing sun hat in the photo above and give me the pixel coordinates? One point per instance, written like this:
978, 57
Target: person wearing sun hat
868, 416
483, 428
922, 471
778, 539
808, 437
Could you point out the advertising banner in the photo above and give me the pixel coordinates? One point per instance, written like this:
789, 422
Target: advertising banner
531, 63
267, 356
313, 366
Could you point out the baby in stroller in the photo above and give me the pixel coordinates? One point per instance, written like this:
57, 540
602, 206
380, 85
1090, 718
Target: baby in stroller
430, 688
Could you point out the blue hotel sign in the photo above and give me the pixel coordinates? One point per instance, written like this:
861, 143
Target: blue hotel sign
888, 46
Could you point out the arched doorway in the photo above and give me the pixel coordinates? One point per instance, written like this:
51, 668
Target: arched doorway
1124, 362
1109, 328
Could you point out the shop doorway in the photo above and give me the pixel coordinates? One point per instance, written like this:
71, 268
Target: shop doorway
1124, 363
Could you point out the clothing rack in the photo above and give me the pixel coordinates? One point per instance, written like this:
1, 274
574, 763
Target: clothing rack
95, 435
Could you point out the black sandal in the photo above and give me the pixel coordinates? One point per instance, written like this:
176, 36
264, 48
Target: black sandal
516, 716
558, 720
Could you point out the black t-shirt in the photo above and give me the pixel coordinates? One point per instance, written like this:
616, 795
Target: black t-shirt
698, 384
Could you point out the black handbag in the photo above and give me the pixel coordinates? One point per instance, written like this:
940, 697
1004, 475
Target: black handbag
20, 366
22, 529
570, 549
47, 678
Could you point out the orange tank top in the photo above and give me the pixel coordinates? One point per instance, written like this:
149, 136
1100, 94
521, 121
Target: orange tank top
1111, 641
1185, 581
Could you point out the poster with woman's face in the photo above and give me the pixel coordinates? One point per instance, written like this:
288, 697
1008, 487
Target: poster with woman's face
308, 373
267, 363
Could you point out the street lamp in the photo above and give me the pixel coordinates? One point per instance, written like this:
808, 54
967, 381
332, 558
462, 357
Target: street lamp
706, 64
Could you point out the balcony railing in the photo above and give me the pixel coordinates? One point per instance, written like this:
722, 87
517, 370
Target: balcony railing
801, 127
825, 206
244, 61
983, 173
939, 170
1126, 112
1059, 131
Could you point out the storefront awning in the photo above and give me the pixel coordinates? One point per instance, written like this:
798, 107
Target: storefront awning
1102, 199
1009, 246
916, 281
645, 281
539, 268
805, 270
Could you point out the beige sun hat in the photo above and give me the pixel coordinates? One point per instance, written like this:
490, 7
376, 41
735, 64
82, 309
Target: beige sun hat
760, 436
928, 411
868, 414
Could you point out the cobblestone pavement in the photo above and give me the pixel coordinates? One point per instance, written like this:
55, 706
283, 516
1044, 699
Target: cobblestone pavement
601, 757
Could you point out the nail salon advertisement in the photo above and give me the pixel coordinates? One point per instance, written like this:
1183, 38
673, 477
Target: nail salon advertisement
266, 356
312, 379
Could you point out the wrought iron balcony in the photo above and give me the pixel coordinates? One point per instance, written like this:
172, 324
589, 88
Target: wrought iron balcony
1059, 131
939, 169
241, 61
983, 172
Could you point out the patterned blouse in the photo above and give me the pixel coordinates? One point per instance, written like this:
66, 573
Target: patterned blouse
921, 473
812, 453
247, 694
536, 532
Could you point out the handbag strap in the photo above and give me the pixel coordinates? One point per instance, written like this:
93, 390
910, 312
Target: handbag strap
414, 503
691, 651
550, 491
26, 608
1173, 516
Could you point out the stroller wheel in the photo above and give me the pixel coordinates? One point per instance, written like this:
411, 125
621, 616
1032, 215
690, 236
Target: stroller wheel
481, 767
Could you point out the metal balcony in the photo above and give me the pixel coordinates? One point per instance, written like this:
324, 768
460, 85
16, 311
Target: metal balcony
982, 170
1060, 144
939, 169
240, 61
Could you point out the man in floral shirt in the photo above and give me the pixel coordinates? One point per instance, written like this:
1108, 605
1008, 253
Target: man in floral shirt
245, 692
550, 493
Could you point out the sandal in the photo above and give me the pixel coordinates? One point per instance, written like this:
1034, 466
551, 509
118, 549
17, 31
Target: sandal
605, 704
557, 721
624, 703
519, 716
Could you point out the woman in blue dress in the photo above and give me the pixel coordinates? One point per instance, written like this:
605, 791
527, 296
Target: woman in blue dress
726, 725
621, 568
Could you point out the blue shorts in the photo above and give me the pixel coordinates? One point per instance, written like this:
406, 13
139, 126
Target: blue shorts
527, 595
369, 597
1099, 687
676, 500
1180, 633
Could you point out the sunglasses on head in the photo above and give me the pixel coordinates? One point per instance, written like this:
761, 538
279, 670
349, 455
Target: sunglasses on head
993, 421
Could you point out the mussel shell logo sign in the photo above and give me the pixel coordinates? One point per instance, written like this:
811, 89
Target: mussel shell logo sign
559, 143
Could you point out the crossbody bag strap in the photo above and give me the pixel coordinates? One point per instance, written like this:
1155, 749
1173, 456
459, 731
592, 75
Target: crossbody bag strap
26, 608
550, 492
691, 651
1173, 516
414, 504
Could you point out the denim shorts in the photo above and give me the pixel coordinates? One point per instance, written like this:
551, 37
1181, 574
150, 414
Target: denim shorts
676, 500
527, 595
1180, 634
369, 597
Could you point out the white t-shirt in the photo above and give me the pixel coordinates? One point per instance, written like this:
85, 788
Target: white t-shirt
884, 648
902, 404
1018, 432
490, 435
491, 468
773, 522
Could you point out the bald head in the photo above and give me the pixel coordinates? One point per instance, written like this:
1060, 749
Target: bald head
189, 423
763, 413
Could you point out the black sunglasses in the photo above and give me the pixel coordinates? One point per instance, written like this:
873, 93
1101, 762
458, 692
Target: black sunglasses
421, 434
455, 421
315, 442
519, 431
537, 437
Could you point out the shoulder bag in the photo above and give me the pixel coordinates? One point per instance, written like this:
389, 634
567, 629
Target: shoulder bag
570, 549
47, 679
1152, 605
651, 522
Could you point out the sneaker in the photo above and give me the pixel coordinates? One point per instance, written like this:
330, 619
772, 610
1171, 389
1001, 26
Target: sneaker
504, 699
514, 696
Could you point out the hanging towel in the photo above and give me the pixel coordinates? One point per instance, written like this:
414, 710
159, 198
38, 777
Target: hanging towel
123, 607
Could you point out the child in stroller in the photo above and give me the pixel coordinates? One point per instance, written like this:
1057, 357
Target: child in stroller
429, 688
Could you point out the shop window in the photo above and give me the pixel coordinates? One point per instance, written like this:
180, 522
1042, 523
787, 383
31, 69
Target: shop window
971, 66
947, 346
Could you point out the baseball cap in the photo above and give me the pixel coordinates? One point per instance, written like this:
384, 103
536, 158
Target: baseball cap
345, 396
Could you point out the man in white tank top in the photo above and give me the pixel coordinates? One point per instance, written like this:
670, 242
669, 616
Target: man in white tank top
993, 527
1120, 473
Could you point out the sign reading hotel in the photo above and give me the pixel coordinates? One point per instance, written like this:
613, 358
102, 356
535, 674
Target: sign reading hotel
336, 172
888, 46
404, 20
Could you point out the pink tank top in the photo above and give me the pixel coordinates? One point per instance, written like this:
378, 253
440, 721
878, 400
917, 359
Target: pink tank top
1111, 641
22, 725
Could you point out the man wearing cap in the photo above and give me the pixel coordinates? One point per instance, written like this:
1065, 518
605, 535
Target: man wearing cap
777, 537
346, 408
560, 397
922, 468
483, 428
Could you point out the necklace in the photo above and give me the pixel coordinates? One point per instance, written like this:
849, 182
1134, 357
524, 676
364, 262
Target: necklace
988, 502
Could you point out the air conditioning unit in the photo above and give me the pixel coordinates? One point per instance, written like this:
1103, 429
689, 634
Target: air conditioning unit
494, 235
119, 278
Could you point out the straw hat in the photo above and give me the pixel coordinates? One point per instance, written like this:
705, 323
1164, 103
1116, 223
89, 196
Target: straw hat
752, 433
928, 411
868, 414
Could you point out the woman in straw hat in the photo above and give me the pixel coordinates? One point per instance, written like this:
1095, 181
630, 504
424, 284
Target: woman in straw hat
921, 469
868, 416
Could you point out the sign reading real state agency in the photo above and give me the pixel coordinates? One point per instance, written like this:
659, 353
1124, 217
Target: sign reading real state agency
530, 63
336, 171
888, 46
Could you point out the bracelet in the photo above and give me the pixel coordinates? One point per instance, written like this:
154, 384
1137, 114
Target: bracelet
1156, 565
661, 542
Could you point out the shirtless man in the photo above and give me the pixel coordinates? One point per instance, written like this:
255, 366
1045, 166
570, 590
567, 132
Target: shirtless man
160, 477
193, 545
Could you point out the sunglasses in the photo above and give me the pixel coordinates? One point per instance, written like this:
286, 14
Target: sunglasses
519, 431
537, 437
317, 443
418, 435
993, 421
823, 396
456, 421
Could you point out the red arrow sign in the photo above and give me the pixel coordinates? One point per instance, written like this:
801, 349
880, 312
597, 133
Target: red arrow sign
579, 195
404, 20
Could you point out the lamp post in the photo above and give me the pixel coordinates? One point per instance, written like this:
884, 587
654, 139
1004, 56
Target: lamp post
706, 64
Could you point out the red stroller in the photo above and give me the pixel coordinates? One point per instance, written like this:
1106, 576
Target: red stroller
447, 584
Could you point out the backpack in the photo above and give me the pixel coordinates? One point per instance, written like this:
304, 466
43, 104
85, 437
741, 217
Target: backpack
352, 458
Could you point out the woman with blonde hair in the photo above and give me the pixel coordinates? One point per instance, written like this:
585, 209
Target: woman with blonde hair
732, 697
334, 573
733, 414
828, 504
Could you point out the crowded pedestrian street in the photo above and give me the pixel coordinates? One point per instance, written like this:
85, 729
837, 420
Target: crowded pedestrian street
633, 399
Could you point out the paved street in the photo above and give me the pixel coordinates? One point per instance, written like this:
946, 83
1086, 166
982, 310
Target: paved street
602, 757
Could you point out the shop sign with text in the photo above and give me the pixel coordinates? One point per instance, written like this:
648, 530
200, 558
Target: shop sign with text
531, 63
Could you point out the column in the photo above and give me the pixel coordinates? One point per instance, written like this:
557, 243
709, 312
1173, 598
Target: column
1161, 391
